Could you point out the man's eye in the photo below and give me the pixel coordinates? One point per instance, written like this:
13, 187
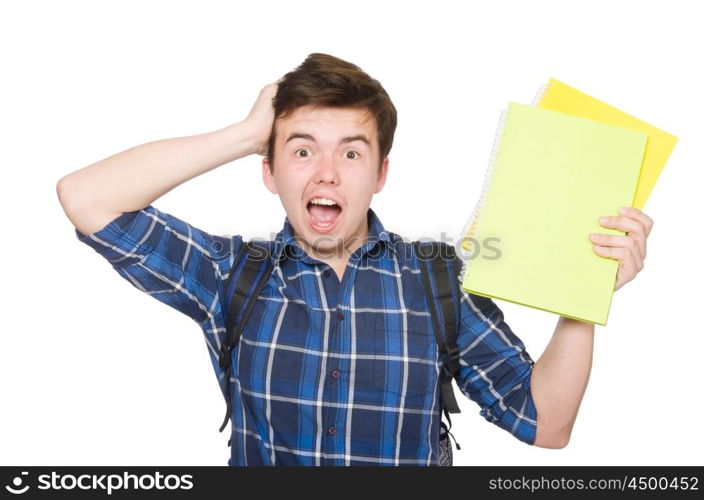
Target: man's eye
353, 153
307, 153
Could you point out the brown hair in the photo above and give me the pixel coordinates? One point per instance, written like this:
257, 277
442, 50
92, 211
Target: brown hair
325, 80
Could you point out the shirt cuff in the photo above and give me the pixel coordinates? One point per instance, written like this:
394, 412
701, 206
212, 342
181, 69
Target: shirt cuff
128, 238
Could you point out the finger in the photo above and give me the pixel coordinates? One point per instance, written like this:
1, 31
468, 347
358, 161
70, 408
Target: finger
625, 256
633, 227
626, 271
630, 241
627, 263
617, 253
638, 214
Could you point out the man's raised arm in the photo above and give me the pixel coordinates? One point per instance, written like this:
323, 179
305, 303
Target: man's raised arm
131, 180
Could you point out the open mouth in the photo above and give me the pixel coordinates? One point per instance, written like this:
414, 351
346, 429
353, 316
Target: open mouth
324, 214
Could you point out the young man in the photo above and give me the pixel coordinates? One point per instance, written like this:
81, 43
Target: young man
338, 364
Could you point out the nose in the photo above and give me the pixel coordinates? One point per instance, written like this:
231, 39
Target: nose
326, 170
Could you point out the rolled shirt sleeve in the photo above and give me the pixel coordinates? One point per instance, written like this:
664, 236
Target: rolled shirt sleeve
171, 260
495, 368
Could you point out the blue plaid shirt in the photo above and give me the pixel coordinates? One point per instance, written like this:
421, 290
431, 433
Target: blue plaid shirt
328, 372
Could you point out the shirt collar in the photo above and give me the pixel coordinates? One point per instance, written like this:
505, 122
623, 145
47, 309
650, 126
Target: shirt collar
286, 238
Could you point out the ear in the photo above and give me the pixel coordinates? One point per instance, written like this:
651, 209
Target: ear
267, 176
381, 177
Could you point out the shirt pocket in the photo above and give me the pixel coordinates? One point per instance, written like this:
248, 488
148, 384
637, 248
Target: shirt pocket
405, 361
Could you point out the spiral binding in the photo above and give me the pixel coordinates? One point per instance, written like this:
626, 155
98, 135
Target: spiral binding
540, 94
471, 227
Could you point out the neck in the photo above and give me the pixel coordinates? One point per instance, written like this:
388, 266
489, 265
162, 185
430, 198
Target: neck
338, 255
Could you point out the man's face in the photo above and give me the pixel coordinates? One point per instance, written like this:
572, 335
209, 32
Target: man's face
328, 153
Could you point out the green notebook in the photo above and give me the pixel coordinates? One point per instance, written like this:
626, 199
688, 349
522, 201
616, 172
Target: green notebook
551, 177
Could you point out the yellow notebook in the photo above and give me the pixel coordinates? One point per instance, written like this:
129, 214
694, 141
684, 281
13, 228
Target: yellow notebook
558, 96
550, 178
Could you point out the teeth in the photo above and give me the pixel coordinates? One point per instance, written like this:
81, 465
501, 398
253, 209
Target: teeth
322, 201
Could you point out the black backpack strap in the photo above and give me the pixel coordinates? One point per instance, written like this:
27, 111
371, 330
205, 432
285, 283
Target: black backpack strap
254, 275
436, 255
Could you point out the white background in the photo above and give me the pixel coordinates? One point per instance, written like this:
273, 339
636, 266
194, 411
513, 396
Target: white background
93, 372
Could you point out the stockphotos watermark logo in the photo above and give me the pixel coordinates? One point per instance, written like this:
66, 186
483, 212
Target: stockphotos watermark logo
18, 487
466, 248
101, 482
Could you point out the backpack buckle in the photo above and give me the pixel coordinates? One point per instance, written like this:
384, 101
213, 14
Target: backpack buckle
453, 354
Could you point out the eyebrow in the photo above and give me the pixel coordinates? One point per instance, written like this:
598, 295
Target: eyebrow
344, 140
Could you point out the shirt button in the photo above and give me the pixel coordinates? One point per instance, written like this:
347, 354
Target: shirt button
326, 273
340, 316
331, 430
335, 374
